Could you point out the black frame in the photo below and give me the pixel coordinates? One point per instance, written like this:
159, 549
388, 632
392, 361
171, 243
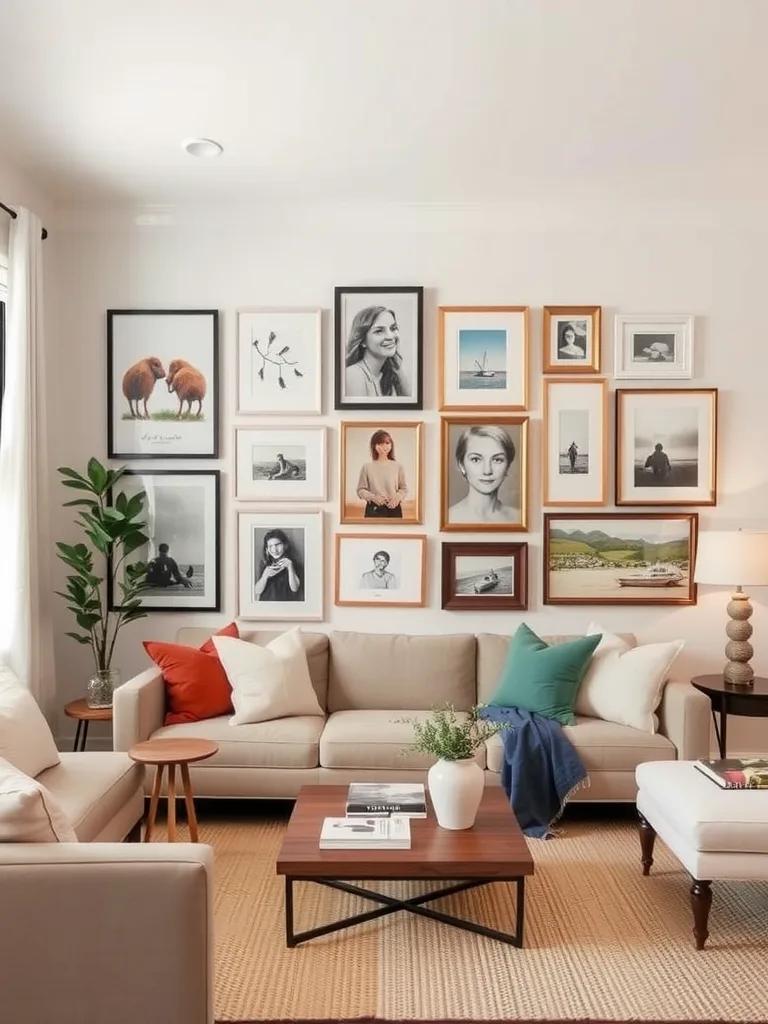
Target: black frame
451, 601
339, 367
212, 391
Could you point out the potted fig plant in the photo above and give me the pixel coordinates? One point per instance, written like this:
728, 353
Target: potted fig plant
115, 529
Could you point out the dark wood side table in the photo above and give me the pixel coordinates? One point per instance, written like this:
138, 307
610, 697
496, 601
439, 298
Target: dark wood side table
748, 701
79, 710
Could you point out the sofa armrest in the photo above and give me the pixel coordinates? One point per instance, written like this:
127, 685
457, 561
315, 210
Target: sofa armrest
138, 708
684, 715
106, 932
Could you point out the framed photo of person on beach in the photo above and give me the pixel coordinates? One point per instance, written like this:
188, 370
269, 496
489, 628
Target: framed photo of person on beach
483, 357
485, 577
619, 558
666, 446
575, 441
280, 463
571, 339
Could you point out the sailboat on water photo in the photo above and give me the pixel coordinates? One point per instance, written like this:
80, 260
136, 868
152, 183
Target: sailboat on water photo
482, 368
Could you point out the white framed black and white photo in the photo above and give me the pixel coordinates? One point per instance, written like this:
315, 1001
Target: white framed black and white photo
162, 384
181, 510
381, 569
653, 347
379, 347
483, 357
571, 342
575, 441
279, 362
666, 446
485, 576
280, 463
280, 569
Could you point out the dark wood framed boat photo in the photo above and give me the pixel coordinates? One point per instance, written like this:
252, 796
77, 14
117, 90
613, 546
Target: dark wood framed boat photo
480, 576
619, 558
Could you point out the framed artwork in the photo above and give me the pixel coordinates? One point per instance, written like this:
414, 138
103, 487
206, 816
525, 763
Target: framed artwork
666, 446
379, 341
181, 509
380, 478
280, 565
619, 558
280, 464
485, 577
381, 569
571, 339
162, 384
575, 441
653, 347
278, 362
484, 473
483, 357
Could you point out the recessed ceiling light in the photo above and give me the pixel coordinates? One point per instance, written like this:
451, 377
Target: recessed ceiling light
203, 147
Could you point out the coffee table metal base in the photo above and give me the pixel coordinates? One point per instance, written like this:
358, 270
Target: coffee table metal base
414, 905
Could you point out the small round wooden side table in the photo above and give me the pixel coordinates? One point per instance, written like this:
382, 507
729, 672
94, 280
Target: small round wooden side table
168, 753
749, 701
84, 715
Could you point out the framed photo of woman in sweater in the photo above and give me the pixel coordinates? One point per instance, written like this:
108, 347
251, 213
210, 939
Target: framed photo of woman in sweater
380, 472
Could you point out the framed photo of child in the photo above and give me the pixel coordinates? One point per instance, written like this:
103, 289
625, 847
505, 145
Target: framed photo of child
380, 476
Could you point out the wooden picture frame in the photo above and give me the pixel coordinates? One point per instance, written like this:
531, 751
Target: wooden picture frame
384, 569
653, 347
279, 362
571, 339
377, 480
479, 576
483, 358
280, 463
575, 441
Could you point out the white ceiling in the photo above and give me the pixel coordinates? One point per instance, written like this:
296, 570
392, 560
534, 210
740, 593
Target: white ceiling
406, 100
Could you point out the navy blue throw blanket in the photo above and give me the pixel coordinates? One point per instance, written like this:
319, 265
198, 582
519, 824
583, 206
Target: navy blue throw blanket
541, 768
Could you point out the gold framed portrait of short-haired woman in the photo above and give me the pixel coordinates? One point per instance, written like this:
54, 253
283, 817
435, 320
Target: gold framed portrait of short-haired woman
380, 477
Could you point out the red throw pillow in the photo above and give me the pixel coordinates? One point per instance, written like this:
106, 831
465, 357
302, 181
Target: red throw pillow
196, 685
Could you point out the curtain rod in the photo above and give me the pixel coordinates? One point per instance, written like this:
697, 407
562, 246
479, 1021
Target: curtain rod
13, 214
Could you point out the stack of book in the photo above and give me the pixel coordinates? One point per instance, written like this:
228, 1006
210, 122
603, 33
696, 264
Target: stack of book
365, 834
383, 799
736, 772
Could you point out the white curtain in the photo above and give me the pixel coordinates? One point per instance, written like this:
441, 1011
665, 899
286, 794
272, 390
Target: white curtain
26, 592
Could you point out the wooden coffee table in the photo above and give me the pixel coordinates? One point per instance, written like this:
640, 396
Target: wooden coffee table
493, 850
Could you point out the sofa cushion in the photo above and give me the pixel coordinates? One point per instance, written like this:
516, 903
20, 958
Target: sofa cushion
29, 813
26, 739
378, 671
280, 743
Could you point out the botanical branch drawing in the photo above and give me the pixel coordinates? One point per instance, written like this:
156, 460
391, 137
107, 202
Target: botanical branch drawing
278, 358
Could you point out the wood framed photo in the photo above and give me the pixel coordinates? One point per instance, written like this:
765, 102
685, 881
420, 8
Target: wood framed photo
280, 464
279, 362
280, 568
485, 577
380, 476
619, 558
379, 342
483, 357
653, 347
181, 509
484, 464
571, 339
575, 441
382, 569
162, 384
666, 446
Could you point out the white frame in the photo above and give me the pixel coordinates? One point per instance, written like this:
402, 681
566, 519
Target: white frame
564, 394
625, 329
514, 322
248, 606
410, 568
301, 330
312, 488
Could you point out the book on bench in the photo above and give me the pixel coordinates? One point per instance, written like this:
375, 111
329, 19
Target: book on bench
736, 772
382, 799
365, 834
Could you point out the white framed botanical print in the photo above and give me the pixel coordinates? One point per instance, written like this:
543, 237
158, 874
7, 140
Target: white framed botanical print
483, 357
571, 341
381, 569
653, 347
575, 441
280, 463
280, 569
279, 362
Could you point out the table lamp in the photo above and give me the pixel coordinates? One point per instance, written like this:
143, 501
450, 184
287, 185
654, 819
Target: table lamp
734, 558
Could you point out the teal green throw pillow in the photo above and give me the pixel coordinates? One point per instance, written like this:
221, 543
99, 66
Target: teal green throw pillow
543, 678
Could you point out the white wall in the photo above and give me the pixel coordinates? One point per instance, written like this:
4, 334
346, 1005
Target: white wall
630, 258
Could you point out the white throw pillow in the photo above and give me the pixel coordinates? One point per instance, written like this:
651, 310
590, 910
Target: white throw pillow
268, 682
30, 813
25, 736
624, 684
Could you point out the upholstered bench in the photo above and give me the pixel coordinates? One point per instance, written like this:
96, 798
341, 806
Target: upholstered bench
716, 834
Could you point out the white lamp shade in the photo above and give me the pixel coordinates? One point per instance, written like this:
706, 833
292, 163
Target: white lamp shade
732, 558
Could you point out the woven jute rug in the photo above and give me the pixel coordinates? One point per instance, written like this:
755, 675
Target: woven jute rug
602, 942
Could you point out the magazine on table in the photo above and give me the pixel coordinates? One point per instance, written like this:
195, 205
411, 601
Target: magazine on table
736, 772
391, 833
381, 799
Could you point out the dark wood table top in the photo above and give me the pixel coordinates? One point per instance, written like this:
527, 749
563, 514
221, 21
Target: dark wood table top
79, 709
493, 848
715, 683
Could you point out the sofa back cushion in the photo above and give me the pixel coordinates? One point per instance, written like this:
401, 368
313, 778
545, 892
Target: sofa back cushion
30, 813
392, 672
26, 739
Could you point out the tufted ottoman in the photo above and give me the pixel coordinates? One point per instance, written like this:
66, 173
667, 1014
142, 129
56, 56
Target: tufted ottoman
716, 834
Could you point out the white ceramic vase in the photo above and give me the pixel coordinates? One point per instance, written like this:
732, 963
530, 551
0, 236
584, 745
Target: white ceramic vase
456, 789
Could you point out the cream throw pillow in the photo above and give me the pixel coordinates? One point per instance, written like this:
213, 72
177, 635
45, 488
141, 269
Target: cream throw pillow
624, 684
268, 682
25, 736
29, 813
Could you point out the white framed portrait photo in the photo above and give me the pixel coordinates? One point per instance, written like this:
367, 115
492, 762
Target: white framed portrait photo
280, 564
280, 463
381, 568
380, 476
278, 362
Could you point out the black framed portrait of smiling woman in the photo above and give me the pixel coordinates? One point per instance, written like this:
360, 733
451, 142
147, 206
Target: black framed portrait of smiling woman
379, 342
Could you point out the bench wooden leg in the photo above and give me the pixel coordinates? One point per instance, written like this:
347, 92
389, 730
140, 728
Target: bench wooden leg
647, 839
701, 901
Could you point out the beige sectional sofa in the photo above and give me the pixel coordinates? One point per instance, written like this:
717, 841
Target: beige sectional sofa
367, 683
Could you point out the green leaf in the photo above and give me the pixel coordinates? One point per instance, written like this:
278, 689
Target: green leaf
78, 485
97, 474
78, 501
85, 640
87, 621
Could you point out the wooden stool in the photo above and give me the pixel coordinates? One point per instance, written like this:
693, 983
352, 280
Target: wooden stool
167, 754
79, 710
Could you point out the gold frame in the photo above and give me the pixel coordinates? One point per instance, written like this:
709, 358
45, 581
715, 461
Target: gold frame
388, 425
421, 537
446, 422
497, 406
558, 382
566, 366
